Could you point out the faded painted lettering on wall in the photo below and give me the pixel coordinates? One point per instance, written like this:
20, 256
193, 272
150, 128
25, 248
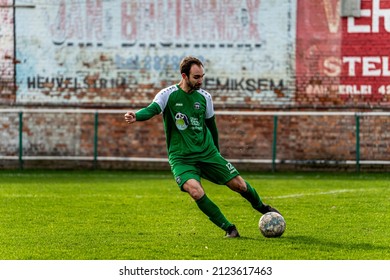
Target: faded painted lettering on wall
122, 51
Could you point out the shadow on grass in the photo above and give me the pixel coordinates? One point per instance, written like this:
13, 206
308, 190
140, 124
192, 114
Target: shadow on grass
341, 244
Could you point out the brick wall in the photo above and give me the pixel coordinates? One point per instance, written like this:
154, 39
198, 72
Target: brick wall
7, 59
303, 142
259, 55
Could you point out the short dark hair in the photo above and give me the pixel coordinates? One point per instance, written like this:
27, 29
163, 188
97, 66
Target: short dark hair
187, 62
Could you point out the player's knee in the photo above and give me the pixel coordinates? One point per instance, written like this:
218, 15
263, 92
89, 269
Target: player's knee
237, 184
194, 189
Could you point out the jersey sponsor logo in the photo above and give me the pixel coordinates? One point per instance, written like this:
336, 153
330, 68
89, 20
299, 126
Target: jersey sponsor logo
181, 121
179, 104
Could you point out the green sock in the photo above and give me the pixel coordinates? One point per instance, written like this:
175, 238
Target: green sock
212, 211
252, 196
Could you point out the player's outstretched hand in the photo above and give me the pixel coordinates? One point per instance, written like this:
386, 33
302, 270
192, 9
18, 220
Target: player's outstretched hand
130, 117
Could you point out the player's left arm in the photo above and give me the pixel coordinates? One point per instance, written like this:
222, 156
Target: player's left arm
210, 117
212, 126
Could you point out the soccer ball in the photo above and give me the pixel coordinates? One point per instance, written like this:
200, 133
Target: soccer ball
272, 224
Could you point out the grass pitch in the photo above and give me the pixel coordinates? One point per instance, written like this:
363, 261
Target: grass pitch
113, 215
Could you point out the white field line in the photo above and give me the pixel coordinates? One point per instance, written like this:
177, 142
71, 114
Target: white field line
113, 195
320, 193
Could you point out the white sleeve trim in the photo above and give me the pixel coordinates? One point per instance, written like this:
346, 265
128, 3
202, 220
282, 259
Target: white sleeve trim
162, 96
209, 103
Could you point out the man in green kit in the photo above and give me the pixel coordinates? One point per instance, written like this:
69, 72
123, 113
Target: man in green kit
192, 143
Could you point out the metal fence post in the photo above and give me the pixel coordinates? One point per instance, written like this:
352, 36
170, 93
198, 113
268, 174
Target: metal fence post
274, 140
21, 140
357, 120
95, 139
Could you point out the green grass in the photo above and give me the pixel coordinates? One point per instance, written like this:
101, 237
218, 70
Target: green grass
113, 215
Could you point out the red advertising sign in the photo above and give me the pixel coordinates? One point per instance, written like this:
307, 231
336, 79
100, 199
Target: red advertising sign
365, 52
343, 60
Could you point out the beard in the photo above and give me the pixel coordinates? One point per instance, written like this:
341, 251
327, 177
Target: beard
193, 86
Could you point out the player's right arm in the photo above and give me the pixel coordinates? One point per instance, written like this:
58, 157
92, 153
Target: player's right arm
143, 114
156, 107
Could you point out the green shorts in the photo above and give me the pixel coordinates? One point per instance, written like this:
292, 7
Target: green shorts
214, 168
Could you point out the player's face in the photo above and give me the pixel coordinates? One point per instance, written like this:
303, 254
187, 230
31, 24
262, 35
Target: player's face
194, 81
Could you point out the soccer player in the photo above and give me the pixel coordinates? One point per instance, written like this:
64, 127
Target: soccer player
192, 143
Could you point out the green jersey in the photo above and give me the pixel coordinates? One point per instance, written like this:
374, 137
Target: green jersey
189, 122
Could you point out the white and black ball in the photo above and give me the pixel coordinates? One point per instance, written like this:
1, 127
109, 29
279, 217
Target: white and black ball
272, 224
